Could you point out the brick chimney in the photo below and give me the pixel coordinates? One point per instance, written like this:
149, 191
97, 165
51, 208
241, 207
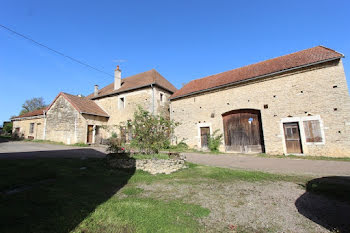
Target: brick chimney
96, 90
117, 78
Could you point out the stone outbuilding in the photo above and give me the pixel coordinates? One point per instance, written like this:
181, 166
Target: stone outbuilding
29, 125
75, 119
293, 104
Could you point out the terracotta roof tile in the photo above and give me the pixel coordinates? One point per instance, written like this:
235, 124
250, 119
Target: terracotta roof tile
85, 105
137, 81
294, 60
81, 104
37, 112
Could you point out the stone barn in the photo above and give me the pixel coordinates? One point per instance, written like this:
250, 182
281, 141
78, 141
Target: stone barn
293, 104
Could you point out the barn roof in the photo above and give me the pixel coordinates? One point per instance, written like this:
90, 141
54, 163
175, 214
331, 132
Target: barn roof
83, 105
37, 112
285, 63
136, 81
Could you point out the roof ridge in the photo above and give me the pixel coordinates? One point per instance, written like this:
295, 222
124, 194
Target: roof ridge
302, 58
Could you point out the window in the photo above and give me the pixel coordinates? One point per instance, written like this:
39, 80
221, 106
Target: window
312, 131
161, 97
121, 102
31, 128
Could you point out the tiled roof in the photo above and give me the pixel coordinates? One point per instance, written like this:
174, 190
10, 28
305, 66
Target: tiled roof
302, 58
82, 105
37, 112
136, 81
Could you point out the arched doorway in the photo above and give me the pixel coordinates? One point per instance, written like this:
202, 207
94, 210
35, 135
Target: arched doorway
243, 131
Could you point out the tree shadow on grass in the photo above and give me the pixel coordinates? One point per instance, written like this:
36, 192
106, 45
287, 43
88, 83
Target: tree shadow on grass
327, 202
54, 194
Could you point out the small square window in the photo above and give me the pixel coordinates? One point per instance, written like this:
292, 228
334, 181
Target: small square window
121, 102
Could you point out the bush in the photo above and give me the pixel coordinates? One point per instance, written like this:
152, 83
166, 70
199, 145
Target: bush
150, 132
115, 145
214, 141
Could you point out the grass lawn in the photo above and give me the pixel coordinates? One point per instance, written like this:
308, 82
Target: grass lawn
63, 195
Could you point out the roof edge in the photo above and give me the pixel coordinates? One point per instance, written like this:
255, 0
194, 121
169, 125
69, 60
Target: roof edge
256, 77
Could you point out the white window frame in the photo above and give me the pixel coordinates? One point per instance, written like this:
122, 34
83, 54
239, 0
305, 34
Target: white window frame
300, 121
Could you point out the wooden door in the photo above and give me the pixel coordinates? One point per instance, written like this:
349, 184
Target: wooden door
205, 132
89, 133
292, 138
242, 131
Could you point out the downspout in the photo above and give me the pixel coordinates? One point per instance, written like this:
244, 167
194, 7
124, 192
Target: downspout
75, 128
44, 136
152, 98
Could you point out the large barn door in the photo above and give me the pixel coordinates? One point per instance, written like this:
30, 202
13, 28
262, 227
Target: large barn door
242, 130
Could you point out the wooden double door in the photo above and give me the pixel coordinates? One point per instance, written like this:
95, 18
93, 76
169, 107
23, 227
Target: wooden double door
243, 131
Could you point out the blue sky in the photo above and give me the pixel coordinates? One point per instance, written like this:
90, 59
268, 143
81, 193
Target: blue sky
183, 40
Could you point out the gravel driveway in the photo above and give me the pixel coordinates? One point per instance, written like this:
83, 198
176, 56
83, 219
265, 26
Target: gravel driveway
274, 165
27, 150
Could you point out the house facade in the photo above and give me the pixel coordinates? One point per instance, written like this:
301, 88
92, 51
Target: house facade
294, 104
74, 119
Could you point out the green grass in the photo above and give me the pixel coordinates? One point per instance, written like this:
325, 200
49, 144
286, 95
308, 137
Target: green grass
56, 195
132, 191
346, 159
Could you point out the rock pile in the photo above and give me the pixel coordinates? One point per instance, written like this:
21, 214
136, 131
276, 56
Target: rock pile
153, 166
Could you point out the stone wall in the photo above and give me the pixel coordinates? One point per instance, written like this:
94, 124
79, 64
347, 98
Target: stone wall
320, 91
142, 97
64, 123
24, 125
153, 166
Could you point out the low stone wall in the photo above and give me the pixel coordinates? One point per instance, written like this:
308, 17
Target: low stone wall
153, 166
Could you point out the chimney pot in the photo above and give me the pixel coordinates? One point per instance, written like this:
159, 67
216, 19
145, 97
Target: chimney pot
117, 78
96, 90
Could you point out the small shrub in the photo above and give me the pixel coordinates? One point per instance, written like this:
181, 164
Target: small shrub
214, 141
115, 145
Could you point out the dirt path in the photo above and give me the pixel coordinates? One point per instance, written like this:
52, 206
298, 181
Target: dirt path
256, 206
273, 165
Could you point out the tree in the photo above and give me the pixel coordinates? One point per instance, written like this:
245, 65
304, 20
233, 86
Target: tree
8, 128
32, 104
150, 132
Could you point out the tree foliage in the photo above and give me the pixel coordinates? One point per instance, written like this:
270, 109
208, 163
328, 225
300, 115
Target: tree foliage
8, 128
150, 132
32, 104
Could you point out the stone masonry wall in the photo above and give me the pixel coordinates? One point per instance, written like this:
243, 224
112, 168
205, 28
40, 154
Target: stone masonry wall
24, 126
64, 123
318, 91
142, 97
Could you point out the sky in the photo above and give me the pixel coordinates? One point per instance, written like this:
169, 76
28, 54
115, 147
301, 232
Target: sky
183, 40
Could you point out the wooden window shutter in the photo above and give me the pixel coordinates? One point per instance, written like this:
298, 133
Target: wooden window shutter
312, 131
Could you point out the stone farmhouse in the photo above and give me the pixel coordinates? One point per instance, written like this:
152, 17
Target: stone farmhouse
74, 119
293, 104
